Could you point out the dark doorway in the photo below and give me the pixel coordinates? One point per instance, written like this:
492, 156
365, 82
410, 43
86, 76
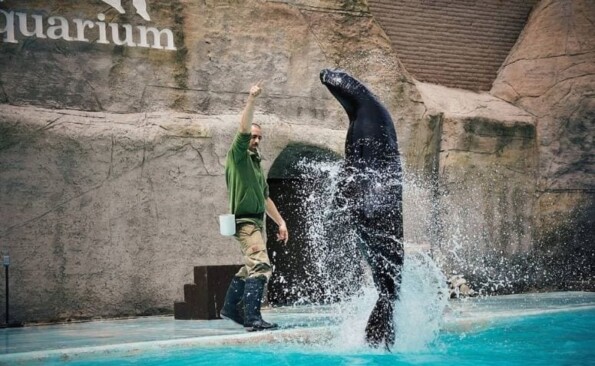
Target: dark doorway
299, 275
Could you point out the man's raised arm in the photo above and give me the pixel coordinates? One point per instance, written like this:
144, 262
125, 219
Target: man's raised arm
248, 113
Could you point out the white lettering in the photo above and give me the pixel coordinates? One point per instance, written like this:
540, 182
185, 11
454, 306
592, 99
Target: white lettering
8, 29
102, 33
58, 27
116, 35
144, 31
63, 28
23, 26
80, 29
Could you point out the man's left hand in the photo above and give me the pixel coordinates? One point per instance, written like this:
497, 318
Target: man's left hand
283, 235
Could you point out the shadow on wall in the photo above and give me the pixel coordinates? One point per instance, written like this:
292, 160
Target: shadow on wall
567, 255
561, 260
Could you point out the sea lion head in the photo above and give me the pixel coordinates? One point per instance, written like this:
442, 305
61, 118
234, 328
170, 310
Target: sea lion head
348, 91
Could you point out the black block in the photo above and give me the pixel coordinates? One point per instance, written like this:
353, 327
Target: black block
214, 280
204, 298
182, 311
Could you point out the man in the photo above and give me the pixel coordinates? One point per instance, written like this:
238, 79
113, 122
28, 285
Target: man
249, 200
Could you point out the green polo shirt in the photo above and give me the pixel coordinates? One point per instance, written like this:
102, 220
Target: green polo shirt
246, 185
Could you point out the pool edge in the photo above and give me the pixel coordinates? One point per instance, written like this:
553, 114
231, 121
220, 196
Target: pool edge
302, 335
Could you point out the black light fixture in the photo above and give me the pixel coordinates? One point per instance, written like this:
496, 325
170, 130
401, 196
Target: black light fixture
7, 323
6, 263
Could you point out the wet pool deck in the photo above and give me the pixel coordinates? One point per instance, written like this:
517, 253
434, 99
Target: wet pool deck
88, 339
76, 340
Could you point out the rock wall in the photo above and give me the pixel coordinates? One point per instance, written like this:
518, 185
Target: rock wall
550, 73
481, 198
105, 215
511, 203
111, 156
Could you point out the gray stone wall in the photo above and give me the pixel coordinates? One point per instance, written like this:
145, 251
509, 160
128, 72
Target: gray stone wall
106, 214
550, 73
112, 157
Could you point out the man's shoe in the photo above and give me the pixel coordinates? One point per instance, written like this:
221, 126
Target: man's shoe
260, 325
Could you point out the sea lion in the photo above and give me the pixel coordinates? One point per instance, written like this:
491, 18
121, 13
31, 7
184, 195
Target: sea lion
371, 192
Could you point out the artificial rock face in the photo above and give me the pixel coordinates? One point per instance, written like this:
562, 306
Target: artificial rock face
550, 73
112, 143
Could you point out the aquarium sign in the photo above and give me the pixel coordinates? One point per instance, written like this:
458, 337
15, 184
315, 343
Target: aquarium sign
14, 25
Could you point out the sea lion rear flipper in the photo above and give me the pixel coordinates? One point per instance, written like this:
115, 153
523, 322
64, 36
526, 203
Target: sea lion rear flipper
380, 328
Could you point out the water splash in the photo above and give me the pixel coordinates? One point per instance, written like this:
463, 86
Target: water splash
450, 228
424, 297
346, 282
466, 229
418, 315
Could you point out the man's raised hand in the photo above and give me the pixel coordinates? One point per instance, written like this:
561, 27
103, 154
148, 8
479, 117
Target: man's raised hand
256, 89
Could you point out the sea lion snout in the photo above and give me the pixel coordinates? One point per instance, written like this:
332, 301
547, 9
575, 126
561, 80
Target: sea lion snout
332, 76
324, 75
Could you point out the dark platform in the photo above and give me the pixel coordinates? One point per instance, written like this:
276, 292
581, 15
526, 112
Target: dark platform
204, 298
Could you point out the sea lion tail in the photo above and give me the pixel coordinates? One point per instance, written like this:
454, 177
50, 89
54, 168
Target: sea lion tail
381, 326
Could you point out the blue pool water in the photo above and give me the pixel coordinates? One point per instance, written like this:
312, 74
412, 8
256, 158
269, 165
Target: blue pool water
559, 338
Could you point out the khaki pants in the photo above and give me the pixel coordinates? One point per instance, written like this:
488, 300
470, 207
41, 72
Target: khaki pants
256, 258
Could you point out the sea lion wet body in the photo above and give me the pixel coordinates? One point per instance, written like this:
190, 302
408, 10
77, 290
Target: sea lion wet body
371, 191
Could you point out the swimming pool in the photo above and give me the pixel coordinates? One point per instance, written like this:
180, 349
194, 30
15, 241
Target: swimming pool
550, 339
533, 329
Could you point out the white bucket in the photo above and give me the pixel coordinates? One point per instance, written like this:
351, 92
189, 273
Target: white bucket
227, 224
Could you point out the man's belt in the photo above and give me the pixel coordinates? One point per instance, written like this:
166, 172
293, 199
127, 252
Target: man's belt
259, 216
